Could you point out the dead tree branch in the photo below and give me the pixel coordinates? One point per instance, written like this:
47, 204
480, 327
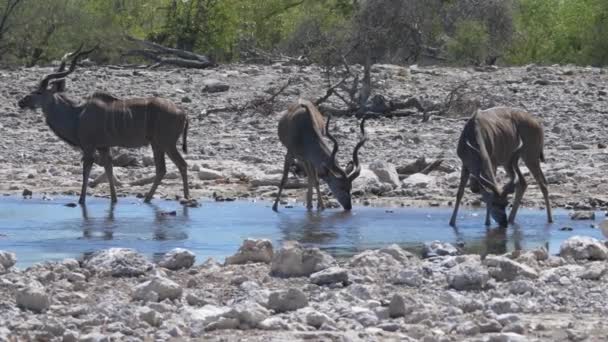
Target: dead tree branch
163, 55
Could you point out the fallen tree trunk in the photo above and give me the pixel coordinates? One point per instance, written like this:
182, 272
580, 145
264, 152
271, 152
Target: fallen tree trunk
160, 60
163, 55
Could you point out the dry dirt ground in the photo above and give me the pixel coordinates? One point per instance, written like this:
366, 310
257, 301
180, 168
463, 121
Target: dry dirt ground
244, 149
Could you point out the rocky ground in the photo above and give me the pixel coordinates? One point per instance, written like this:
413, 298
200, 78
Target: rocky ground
237, 154
293, 293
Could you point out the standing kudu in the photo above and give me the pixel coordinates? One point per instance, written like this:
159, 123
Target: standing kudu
499, 137
301, 130
103, 121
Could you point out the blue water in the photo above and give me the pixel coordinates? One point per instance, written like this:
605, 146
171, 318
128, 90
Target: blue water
39, 230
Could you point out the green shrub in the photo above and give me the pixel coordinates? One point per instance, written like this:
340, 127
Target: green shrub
470, 43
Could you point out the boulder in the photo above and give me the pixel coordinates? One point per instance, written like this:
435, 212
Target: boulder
177, 258
374, 259
418, 180
287, 300
583, 248
7, 260
438, 248
469, 275
316, 319
249, 314
33, 298
294, 261
214, 86
118, 262
329, 276
368, 182
398, 307
386, 173
505, 269
158, 288
398, 253
252, 251
208, 174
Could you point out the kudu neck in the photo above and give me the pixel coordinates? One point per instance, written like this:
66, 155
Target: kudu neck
62, 116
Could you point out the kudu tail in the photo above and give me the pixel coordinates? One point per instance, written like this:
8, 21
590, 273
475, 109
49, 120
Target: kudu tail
542, 156
184, 141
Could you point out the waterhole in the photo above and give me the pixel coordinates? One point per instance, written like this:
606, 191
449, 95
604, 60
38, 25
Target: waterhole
41, 230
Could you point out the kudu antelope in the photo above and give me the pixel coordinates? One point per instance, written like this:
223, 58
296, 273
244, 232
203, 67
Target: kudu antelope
499, 137
103, 121
301, 130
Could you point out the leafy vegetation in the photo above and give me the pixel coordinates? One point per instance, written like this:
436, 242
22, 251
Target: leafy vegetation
400, 31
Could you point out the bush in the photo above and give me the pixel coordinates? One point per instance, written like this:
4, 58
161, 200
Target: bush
470, 44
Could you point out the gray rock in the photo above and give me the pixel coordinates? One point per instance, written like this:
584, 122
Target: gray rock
33, 298
223, 323
594, 270
386, 172
398, 253
418, 180
7, 260
274, 324
505, 269
249, 314
398, 306
164, 288
205, 315
374, 259
583, 215
469, 275
93, 337
294, 261
438, 248
214, 86
463, 303
505, 337
469, 328
149, 316
409, 277
177, 258
522, 286
489, 326
365, 316
118, 262
583, 248
329, 276
316, 319
287, 300
252, 251
503, 306
208, 174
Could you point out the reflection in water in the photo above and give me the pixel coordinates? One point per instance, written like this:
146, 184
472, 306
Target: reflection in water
314, 227
168, 225
89, 226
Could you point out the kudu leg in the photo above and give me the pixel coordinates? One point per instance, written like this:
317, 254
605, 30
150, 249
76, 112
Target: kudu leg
286, 165
320, 205
536, 171
87, 164
520, 188
182, 166
310, 178
464, 177
488, 222
161, 170
106, 160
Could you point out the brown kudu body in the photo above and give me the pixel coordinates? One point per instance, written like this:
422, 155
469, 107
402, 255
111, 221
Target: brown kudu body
301, 130
103, 121
499, 137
